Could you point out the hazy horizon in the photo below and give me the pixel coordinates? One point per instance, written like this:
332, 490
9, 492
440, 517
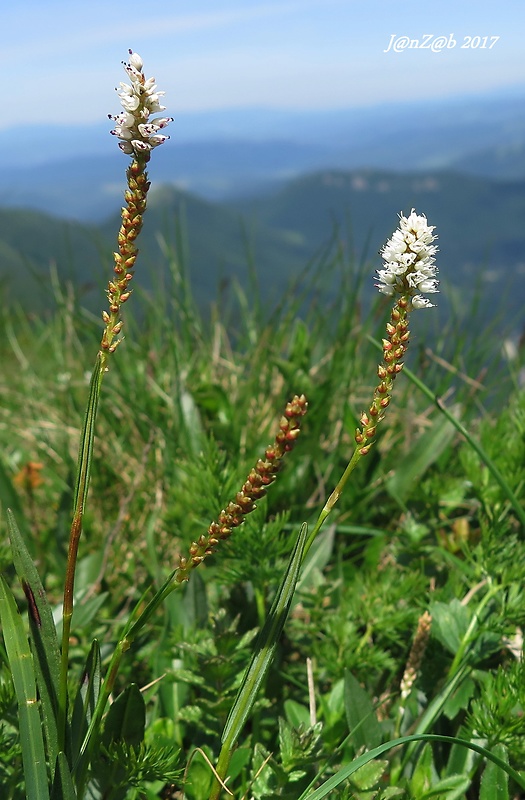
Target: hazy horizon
62, 58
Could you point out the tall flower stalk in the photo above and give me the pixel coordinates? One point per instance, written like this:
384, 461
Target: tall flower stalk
409, 272
138, 133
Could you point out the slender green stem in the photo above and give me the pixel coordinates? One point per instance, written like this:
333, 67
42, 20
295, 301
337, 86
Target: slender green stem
334, 497
519, 510
81, 490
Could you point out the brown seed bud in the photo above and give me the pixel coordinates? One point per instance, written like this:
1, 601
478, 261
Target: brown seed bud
106, 317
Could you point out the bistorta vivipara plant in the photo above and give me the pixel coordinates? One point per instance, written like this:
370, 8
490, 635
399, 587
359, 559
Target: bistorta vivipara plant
138, 134
408, 273
75, 742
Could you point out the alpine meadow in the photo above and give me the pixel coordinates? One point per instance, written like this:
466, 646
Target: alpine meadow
263, 533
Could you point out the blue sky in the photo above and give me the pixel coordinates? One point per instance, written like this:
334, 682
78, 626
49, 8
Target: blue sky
61, 57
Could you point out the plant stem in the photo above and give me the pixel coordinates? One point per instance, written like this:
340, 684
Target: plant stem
81, 490
334, 497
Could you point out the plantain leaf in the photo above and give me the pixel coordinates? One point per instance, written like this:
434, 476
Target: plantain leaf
24, 680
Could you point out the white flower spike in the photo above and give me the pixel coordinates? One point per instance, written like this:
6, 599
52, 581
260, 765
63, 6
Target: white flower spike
136, 131
409, 261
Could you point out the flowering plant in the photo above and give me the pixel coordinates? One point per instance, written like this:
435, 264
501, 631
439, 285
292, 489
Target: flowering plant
81, 738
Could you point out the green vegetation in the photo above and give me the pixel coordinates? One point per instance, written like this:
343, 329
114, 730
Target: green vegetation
189, 608
190, 402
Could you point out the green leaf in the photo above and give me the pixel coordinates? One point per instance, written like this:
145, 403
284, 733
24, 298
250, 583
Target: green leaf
43, 635
460, 699
494, 781
422, 454
63, 787
450, 623
362, 721
369, 774
297, 714
350, 769
9, 499
265, 645
424, 772
126, 719
24, 680
452, 787
86, 699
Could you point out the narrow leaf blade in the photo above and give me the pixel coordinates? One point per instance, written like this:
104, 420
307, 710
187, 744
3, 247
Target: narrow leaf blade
24, 680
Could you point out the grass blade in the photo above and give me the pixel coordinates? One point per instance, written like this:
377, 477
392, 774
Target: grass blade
519, 510
344, 773
264, 651
43, 635
24, 680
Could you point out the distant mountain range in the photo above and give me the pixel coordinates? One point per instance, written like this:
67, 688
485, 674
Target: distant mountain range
78, 174
480, 223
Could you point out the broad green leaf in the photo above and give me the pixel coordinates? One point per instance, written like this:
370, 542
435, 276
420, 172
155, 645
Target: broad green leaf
126, 719
24, 680
296, 714
361, 717
495, 781
422, 454
460, 699
450, 623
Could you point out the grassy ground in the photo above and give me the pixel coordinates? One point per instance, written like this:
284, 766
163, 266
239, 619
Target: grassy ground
191, 400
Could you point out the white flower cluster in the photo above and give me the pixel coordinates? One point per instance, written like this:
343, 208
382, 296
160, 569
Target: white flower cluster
137, 132
409, 261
